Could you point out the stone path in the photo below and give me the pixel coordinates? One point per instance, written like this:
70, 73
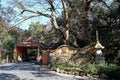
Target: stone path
31, 71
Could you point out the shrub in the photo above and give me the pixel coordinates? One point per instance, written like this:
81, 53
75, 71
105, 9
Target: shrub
61, 67
89, 68
104, 68
111, 71
114, 74
8, 44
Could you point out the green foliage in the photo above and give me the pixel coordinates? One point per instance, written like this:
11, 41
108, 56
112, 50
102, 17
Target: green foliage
74, 70
80, 4
32, 54
1, 29
110, 66
53, 66
67, 64
8, 43
26, 33
36, 25
37, 29
105, 68
61, 66
13, 33
111, 70
89, 68
107, 23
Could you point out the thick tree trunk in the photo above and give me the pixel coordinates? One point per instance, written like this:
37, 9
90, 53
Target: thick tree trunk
61, 35
66, 22
87, 30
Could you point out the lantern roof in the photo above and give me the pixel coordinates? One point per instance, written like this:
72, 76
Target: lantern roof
98, 44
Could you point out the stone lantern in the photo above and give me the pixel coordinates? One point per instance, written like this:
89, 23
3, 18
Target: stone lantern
98, 53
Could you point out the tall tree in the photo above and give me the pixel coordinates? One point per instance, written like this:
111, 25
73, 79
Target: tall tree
50, 8
36, 29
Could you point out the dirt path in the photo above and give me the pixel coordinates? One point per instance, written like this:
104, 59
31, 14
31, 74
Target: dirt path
31, 71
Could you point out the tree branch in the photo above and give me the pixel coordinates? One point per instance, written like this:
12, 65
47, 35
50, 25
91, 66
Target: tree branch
65, 12
66, 21
26, 19
24, 9
106, 4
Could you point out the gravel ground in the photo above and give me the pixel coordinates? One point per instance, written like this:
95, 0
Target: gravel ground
31, 71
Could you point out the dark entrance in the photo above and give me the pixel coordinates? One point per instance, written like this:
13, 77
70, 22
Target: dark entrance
23, 52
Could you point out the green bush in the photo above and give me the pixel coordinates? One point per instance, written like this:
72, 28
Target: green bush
74, 70
66, 64
8, 44
89, 68
61, 67
105, 68
111, 67
53, 66
111, 71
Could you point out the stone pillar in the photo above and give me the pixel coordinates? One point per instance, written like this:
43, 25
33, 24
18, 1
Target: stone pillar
98, 56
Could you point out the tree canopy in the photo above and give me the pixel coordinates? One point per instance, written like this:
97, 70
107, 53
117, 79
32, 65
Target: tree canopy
72, 20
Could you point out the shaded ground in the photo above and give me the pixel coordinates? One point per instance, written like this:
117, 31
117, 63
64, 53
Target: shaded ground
31, 71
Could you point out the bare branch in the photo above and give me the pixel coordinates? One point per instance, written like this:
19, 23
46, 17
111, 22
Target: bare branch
46, 15
24, 9
19, 5
26, 19
36, 12
105, 4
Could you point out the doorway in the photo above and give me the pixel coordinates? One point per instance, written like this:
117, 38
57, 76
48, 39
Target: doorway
26, 53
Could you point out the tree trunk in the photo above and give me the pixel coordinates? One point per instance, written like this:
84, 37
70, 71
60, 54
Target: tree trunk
66, 21
61, 35
87, 30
